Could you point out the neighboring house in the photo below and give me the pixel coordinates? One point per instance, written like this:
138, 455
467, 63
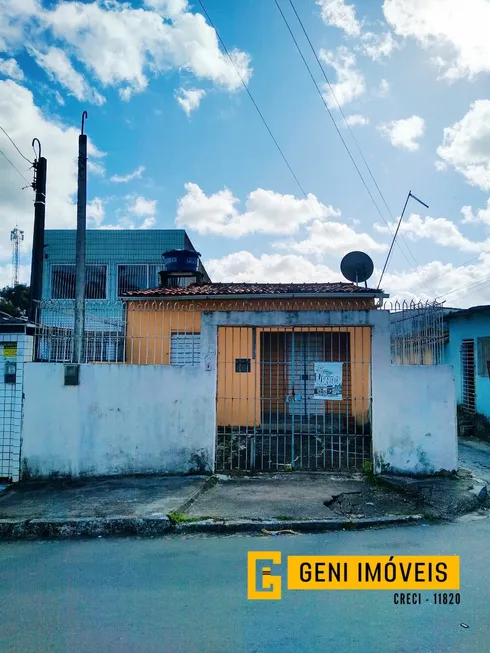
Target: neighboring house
419, 333
16, 342
468, 351
117, 261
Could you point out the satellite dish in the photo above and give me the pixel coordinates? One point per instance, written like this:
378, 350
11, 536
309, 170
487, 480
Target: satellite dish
357, 267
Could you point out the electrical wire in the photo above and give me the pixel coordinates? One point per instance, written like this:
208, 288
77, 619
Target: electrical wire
245, 86
465, 287
458, 266
16, 169
24, 157
262, 117
348, 127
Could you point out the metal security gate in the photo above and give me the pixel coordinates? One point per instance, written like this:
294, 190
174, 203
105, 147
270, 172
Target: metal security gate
468, 375
293, 398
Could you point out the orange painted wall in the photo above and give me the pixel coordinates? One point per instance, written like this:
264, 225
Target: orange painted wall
150, 325
239, 395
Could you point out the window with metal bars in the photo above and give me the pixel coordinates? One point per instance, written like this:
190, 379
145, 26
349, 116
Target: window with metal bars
98, 347
63, 281
131, 277
185, 349
483, 356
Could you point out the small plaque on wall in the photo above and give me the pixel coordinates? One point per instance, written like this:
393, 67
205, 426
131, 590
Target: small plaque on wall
72, 374
242, 365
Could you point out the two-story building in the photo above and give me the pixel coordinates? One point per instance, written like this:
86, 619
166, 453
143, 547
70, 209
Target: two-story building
117, 261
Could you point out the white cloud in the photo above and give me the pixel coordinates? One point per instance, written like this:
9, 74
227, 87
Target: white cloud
244, 267
95, 168
122, 46
266, 212
337, 13
6, 274
60, 69
190, 99
440, 166
21, 118
466, 145
350, 82
170, 8
455, 30
482, 215
142, 207
95, 212
124, 179
331, 237
128, 223
377, 46
10, 68
356, 119
384, 88
440, 231
404, 133
457, 286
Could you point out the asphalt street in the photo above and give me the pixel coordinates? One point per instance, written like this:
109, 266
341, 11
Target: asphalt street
190, 595
475, 455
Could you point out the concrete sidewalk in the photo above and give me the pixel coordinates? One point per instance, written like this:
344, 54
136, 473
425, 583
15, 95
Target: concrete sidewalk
158, 505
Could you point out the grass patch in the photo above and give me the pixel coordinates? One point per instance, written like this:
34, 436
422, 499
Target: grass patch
285, 518
429, 516
181, 518
177, 517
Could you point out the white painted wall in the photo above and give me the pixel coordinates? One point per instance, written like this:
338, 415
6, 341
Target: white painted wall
121, 419
415, 427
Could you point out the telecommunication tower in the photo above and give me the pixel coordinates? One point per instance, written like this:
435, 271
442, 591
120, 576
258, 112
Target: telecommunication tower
16, 237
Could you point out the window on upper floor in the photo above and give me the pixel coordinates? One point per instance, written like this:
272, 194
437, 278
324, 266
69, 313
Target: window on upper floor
131, 277
63, 281
138, 277
483, 355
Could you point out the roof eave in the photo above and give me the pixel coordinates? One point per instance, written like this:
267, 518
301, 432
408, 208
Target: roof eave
343, 295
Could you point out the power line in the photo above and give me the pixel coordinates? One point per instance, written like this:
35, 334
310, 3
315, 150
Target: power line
337, 128
245, 86
24, 157
16, 169
347, 124
458, 266
466, 286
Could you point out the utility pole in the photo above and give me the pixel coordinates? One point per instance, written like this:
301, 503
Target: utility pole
79, 326
37, 262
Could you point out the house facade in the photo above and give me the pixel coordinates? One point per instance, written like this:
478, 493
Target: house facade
276, 342
468, 351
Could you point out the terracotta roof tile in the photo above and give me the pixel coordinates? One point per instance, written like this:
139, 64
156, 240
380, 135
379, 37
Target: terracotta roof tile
241, 289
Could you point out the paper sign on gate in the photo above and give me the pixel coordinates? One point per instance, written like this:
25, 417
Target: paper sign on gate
328, 381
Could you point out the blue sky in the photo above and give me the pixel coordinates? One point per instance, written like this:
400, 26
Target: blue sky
175, 140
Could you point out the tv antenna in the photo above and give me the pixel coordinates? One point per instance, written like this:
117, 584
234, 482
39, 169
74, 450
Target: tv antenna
396, 232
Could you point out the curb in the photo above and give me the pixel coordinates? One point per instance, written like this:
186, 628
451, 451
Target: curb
17, 529
303, 526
